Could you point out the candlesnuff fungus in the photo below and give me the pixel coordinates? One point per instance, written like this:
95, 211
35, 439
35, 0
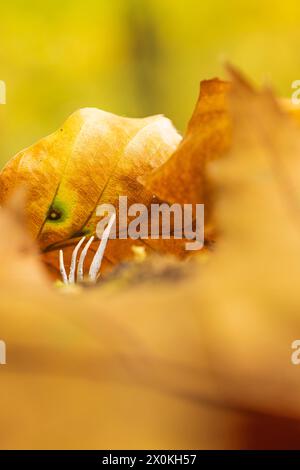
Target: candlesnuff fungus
95, 264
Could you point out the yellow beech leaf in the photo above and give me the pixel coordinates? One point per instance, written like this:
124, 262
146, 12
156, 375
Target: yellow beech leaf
92, 159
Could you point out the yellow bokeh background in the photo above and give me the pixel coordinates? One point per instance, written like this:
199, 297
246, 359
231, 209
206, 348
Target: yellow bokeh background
133, 57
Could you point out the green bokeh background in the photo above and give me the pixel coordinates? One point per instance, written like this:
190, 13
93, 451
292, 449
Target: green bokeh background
133, 57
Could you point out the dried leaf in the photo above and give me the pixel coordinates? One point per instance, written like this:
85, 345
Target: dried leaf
183, 177
92, 159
